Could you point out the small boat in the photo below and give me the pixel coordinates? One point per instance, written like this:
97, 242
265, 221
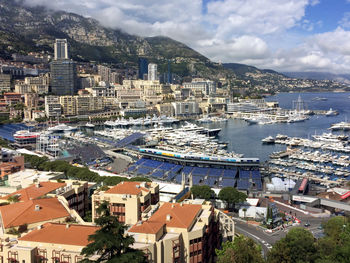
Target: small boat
268, 140
331, 112
320, 99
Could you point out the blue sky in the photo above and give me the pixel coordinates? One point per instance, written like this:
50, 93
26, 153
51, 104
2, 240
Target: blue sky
284, 35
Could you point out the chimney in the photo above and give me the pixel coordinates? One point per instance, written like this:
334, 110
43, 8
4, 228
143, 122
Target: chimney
39, 227
37, 184
168, 217
181, 204
37, 208
67, 226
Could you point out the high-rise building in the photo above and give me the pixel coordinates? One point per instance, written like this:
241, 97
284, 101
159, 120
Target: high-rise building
152, 71
105, 73
61, 49
63, 70
143, 67
63, 77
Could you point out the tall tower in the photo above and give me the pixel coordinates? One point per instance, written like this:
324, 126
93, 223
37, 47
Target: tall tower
63, 70
61, 49
143, 67
152, 71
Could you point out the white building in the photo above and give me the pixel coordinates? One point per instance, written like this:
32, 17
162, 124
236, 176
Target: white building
185, 108
152, 71
52, 106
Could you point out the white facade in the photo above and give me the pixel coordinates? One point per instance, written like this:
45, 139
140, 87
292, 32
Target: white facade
61, 49
52, 106
186, 108
152, 72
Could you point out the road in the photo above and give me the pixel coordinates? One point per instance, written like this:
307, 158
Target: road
266, 240
258, 235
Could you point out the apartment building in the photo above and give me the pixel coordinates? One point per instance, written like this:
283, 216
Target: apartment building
81, 105
52, 106
50, 242
185, 108
206, 87
72, 192
5, 82
127, 200
178, 232
31, 213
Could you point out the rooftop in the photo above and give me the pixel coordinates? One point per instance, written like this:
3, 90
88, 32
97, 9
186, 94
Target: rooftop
36, 190
32, 211
169, 214
131, 188
54, 233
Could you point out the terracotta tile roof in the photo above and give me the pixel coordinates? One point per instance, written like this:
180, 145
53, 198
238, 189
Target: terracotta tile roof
33, 192
24, 212
76, 235
131, 188
149, 227
181, 216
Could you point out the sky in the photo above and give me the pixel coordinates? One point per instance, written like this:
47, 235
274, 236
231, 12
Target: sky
284, 35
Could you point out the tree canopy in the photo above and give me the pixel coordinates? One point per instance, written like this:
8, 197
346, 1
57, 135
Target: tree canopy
73, 172
231, 196
202, 191
110, 243
241, 250
297, 246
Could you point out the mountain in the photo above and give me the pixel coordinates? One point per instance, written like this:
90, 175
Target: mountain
242, 69
342, 78
24, 29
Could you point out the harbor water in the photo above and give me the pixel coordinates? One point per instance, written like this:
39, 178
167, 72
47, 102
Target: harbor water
246, 138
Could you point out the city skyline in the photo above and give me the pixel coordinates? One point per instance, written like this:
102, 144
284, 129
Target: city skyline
287, 35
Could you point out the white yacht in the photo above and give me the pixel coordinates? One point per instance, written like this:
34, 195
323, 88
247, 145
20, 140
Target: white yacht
340, 126
331, 112
268, 140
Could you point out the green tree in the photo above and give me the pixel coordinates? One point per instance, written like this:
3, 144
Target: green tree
297, 247
202, 191
335, 246
241, 250
231, 196
334, 227
13, 199
110, 242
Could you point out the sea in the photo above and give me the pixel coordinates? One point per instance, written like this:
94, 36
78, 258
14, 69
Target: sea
246, 138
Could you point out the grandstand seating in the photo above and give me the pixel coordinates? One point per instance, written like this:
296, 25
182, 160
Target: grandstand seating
256, 174
187, 169
230, 173
213, 177
258, 184
243, 184
210, 181
215, 172
167, 166
7, 130
227, 182
243, 174
200, 171
196, 179
178, 178
176, 168
143, 171
129, 139
158, 174
151, 163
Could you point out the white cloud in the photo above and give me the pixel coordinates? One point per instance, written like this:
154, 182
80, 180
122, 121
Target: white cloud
256, 32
